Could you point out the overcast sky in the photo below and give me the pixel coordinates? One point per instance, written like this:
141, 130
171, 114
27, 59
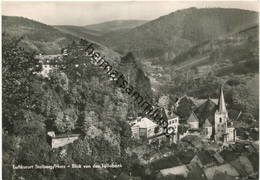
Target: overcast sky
84, 13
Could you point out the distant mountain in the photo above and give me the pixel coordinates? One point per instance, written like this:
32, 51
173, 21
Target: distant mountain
180, 30
163, 38
47, 39
37, 36
78, 31
232, 54
115, 25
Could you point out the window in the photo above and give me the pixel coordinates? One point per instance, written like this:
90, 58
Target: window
220, 120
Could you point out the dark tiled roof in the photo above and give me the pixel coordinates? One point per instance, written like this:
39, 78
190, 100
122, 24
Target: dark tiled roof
222, 176
206, 111
186, 156
254, 159
219, 158
229, 155
239, 167
164, 163
205, 157
173, 115
196, 173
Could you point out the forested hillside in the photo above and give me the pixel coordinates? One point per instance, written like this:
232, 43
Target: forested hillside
36, 36
76, 98
176, 32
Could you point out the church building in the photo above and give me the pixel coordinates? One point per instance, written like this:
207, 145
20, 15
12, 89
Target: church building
211, 119
224, 130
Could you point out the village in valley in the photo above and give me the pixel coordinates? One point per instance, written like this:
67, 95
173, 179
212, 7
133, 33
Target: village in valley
198, 67
210, 148
204, 147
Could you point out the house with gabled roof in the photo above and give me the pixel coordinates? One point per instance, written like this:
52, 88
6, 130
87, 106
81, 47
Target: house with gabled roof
228, 155
254, 159
243, 166
203, 159
222, 176
193, 121
195, 172
143, 128
218, 158
226, 169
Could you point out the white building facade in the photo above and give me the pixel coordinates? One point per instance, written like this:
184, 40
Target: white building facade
144, 128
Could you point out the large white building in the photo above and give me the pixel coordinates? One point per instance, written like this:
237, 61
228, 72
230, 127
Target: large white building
144, 128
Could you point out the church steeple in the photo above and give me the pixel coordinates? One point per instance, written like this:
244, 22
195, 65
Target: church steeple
221, 102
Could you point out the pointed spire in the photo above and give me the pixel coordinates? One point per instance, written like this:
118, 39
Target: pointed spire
221, 102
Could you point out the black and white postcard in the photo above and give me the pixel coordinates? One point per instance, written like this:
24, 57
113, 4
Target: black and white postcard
130, 90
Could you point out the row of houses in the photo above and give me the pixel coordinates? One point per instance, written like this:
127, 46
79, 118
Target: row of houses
207, 165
